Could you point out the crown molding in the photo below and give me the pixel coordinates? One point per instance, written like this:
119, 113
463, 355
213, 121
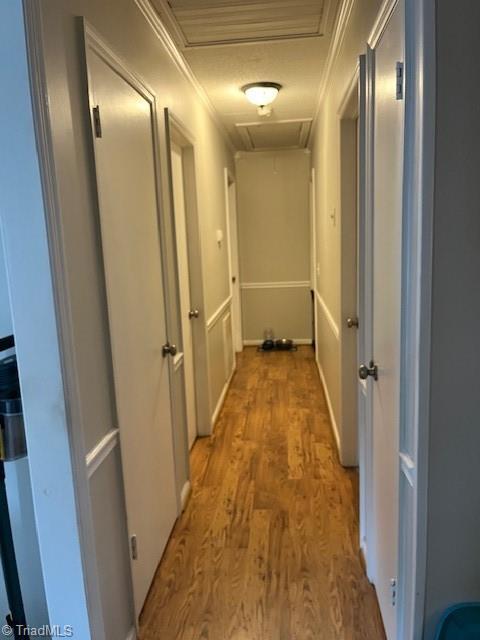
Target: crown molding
380, 24
337, 40
153, 19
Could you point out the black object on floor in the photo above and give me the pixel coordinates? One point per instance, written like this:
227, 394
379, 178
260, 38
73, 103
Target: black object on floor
284, 344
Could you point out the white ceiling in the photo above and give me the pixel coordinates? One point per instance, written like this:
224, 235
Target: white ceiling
229, 43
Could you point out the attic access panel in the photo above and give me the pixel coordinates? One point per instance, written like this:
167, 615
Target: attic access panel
210, 22
288, 134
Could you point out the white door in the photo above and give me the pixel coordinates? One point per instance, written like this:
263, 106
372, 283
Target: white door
234, 265
185, 301
126, 182
387, 235
364, 298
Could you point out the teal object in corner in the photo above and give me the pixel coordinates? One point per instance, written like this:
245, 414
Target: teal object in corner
460, 622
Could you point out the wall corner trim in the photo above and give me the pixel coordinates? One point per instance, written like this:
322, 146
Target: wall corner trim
383, 16
155, 22
101, 451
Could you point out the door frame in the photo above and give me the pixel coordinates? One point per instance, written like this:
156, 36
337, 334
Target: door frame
178, 133
236, 305
417, 231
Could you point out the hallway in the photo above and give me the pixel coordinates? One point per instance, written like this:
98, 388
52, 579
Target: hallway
267, 548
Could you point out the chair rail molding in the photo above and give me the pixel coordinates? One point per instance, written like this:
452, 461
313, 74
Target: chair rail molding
101, 451
215, 317
328, 315
294, 284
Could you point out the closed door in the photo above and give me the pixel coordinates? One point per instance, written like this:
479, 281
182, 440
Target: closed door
188, 314
126, 181
387, 235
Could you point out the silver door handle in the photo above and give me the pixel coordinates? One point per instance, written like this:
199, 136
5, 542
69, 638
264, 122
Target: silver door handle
193, 313
352, 322
169, 350
371, 370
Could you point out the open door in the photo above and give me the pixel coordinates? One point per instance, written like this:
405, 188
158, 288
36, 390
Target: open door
123, 134
192, 363
234, 263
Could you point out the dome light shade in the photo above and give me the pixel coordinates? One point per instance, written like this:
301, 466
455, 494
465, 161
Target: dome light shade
261, 93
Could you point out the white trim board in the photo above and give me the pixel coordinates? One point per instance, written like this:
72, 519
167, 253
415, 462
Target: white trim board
101, 451
329, 405
132, 634
179, 60
294, 284
326, 312
221, 399
380, 24
177, 361
185, 494
297, 341
215, 317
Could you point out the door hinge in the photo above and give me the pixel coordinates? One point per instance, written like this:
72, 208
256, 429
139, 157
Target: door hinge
393, 591
134, 547
400, 80
97, 123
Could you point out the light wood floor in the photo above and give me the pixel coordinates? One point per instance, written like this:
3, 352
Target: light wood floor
267, 548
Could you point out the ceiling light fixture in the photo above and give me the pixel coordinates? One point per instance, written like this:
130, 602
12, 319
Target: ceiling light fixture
261, 94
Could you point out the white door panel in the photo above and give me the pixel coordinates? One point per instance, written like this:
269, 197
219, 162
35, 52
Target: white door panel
232, 228
387, 235
185, 300
126, 180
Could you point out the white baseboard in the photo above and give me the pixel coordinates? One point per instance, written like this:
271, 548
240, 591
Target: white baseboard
221, 400
185, 494
257, 343
329, 405
132, 635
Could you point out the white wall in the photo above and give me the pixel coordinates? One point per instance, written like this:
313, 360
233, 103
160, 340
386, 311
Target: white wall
274, 243
326, 160
453, 558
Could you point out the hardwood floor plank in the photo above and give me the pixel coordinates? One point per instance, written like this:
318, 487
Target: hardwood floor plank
267, 548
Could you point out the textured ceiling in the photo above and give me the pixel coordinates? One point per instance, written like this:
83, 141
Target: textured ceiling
229, 43
212, 22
